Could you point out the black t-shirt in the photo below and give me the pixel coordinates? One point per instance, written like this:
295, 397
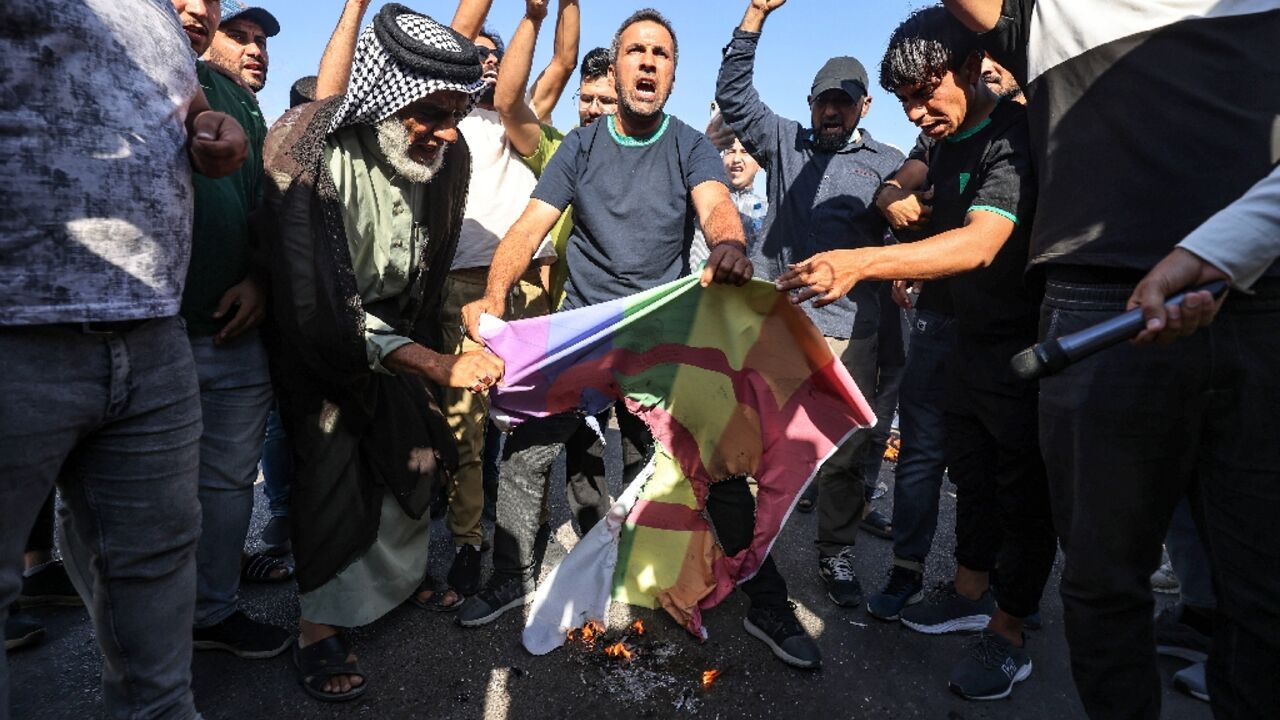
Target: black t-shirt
633, 216
935, 297
1146, 119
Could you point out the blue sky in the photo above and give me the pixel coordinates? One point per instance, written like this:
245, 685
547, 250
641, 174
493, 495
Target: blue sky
798, 38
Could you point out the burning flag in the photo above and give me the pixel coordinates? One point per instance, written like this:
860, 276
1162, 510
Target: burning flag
637, 627
708, 677
620, 651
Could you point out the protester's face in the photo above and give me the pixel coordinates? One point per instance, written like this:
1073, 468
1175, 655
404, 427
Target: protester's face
937, 107
739, 166
835, 116
645, 69
432, 124
491, 59
199, 21
596, 98
240, 47
999, 80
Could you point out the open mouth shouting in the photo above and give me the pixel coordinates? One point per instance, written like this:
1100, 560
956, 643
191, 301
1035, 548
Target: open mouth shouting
646, 90
197, 33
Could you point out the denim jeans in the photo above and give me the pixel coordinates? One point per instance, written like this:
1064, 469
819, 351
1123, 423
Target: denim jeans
1126, 434
922, 459
277, 465
235, 396
114, 420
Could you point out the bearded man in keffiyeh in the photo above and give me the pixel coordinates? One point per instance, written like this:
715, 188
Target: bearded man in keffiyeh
363, 213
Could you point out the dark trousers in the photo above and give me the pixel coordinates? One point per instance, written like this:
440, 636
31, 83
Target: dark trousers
1003, 520
891, 358
732, 510
1126, 434
41, 537
842, 490
922, 458
524, 479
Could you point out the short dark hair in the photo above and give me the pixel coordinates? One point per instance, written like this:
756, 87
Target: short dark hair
647, 15
303, 91
924, 47
494, 38
595, 64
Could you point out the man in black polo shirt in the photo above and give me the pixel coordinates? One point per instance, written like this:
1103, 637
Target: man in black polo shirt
1148, 118
983, 197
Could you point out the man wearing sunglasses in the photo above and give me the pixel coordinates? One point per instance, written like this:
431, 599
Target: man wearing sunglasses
821, 182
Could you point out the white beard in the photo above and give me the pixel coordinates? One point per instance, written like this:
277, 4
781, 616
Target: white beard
393, 140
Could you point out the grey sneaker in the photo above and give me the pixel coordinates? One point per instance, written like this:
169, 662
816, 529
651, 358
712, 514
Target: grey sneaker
948, 611
993, 667
777, 627
1164, 579
498, 596
903, 589
842, 583
1177, 638
1191, 681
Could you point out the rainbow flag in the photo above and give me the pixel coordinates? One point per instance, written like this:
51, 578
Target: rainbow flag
730, 380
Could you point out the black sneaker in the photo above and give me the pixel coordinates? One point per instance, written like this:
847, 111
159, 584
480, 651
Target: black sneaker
993, 667
21, 630
842, 583
1191, 680
275, 537
498, 596
243, 637
49, 584
1176, 638
948, 611
464, 575
905, 588
777, 627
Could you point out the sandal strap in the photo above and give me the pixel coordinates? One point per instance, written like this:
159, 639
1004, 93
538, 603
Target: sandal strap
327, 658
261, 566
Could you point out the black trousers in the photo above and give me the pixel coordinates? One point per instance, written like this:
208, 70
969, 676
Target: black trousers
41, 537
1003, 520
732, 509
1126, 435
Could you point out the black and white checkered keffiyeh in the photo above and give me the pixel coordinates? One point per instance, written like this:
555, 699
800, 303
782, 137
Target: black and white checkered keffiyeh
402, 57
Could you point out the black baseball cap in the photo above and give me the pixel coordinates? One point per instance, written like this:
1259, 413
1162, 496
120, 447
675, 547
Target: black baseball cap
232, 9
841, 73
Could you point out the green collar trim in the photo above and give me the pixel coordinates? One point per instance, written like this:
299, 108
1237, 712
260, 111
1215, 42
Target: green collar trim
627, 141
959, 137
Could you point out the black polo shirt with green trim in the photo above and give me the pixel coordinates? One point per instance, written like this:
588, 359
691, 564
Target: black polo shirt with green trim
988, 169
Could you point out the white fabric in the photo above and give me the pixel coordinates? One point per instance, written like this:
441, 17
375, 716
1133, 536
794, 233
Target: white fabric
1063, 29
499, 191
1242, 240
580, 587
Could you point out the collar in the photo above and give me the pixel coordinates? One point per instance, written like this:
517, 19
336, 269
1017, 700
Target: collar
628, 141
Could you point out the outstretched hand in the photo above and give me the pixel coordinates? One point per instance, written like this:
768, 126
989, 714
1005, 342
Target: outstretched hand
827, 276
1178, 271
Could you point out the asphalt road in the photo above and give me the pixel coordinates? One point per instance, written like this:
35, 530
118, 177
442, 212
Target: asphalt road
420, 665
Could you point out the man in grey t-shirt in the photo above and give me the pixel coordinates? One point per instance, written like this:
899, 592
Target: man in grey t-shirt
99, 387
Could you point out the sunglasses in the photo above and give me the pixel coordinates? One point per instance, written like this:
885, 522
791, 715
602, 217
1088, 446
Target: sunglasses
486, 52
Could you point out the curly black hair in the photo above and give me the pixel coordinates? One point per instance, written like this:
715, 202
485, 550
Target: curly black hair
494, 38
924, 47
595, 64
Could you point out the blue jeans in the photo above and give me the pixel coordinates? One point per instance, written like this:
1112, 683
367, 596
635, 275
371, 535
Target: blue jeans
922, 459
235, 395
114, 420
277, 465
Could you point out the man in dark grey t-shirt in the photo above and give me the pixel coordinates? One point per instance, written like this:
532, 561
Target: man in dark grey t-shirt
635, 180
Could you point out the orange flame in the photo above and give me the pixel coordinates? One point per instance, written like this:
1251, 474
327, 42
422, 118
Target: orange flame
587, 633
708, 677
618, 650
638, 627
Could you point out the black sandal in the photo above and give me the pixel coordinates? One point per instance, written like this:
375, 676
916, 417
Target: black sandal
877, 524
261, 568
318, 662
435, 603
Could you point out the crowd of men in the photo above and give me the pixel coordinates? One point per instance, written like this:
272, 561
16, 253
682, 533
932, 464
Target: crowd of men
187, 295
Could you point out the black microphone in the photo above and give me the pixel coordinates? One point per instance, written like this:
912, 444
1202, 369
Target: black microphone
1051, 356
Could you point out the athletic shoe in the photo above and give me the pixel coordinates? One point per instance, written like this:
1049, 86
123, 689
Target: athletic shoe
993, 667
948, 611
48, 584
498, 596
1164, 579
1177, 638
275, 537
904, 588
842, 583
1191, 681
243, 637
464, 575
21, 630
777, 627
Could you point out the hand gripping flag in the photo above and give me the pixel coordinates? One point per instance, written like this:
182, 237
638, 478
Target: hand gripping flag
731, 381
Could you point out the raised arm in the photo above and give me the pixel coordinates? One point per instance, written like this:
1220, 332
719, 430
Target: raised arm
550, 85
510, 261
758, 127
470, 16
519, 121
977, 15
335, 64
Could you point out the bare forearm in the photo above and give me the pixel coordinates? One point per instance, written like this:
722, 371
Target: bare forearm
520, 123
510, 262
414, 359
943, 255
977, 15
335, 64
753, 21
564, 60
724, 224
470, 16
911, 176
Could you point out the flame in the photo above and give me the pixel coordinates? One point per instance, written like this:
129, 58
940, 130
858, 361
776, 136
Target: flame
708, 677
588, 633
638, 627
892, 448
618, 650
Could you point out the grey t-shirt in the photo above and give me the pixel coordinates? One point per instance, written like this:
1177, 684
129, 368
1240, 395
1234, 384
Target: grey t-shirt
97, 187
632, 211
